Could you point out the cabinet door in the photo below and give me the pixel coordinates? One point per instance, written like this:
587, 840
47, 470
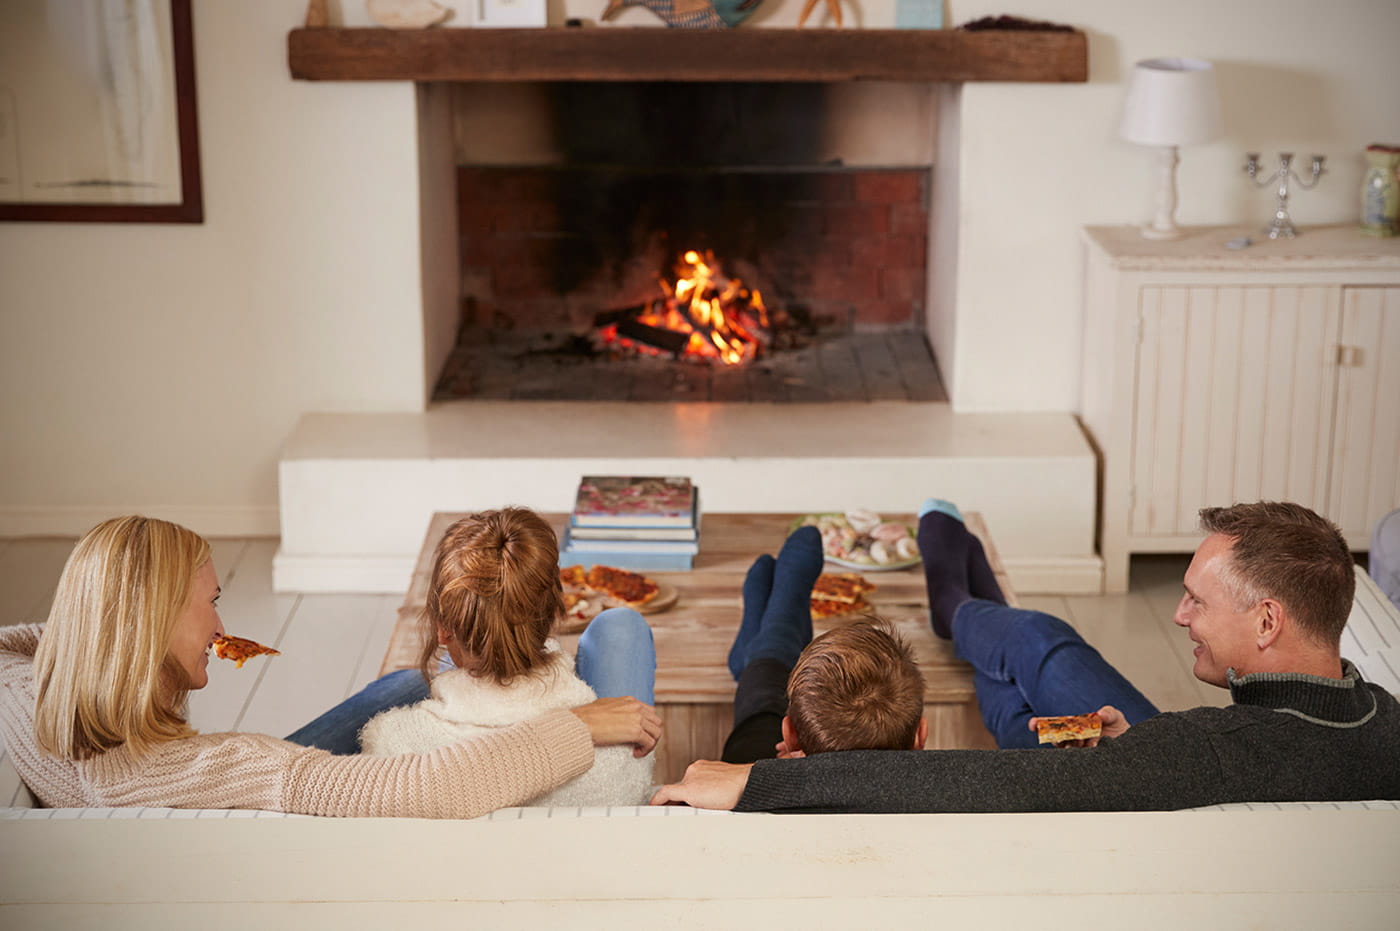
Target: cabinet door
1234, 401
1366, 447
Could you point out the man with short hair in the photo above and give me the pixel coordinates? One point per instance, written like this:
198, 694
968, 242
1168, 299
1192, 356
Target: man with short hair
1266, 598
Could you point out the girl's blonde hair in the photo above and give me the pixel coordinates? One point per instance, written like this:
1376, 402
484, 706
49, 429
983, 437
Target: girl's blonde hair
103, 669
495, 590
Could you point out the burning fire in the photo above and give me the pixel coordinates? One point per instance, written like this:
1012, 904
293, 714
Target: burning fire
703, 315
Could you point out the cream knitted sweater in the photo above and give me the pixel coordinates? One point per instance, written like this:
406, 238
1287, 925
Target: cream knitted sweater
256, 771
463, 707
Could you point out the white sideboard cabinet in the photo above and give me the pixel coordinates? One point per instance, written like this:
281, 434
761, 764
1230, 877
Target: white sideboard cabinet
1213, 375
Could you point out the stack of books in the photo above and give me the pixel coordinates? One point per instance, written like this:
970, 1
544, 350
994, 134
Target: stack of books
633, 522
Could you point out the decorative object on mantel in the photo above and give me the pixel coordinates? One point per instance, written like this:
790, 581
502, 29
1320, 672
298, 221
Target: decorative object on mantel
1013, 24
691, 14
1171, 102
1282, 227
832, 6
1380, 191
406, 14
918, 14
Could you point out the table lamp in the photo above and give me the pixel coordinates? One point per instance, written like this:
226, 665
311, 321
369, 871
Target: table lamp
1171, 102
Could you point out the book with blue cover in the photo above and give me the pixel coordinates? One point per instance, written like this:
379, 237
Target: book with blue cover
659, 547
634, 501
637, 562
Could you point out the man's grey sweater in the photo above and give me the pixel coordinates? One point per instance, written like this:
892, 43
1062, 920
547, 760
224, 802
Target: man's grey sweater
1287, 737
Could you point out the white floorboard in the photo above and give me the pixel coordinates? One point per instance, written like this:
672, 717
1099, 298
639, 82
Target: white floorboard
322, 646
333, 644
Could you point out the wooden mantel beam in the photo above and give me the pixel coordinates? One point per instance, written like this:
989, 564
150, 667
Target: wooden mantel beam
642, 54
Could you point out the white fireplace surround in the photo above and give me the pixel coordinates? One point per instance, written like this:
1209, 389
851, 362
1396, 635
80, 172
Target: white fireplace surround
357, 490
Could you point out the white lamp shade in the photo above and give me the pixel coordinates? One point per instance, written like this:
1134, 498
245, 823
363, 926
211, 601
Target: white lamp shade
1172, 101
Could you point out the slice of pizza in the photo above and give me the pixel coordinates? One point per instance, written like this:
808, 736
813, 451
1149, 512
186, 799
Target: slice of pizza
825, 609
573, 576
628, 587
845, 587
1064, 728
240, 649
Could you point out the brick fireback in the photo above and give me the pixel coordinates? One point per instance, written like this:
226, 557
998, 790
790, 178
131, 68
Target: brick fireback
545, 248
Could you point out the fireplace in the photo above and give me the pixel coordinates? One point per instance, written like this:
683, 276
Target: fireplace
590, 226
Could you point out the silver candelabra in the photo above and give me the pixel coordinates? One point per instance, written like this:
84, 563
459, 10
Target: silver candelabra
1282, 227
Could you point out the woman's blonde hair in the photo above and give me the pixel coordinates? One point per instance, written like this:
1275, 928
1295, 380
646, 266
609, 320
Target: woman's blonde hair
495, 590
103, 669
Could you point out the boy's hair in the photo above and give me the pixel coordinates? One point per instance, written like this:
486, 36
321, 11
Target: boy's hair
856, 687
103, 670
1285, 551
495, 590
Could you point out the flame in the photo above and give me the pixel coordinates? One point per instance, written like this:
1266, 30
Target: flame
726, 320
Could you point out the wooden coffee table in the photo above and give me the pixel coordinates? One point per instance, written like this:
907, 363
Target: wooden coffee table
694, 690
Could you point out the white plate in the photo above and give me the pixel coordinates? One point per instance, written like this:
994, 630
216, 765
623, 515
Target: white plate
872, 566
849, 564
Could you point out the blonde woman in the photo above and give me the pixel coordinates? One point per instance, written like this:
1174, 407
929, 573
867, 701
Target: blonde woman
92, 707
493, 599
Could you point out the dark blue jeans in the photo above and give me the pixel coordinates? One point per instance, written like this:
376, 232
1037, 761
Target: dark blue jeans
1029, 663
616, 656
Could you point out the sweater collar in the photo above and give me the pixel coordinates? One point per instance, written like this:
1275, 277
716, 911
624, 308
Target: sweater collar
1344, 702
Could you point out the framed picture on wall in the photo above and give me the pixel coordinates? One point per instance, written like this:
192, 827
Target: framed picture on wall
97, 112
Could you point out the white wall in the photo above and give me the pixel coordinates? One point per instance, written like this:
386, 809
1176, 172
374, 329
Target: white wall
160, 368
1039, 161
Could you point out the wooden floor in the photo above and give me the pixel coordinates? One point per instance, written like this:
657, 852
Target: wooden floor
333, 644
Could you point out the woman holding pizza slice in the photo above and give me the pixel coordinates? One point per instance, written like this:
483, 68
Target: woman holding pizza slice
92, 708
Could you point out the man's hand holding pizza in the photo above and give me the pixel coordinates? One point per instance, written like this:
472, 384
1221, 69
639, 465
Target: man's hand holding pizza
1083, 730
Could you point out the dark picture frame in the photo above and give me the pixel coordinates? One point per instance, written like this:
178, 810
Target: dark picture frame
189, 208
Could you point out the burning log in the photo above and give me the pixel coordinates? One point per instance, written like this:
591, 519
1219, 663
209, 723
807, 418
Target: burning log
705, 315
672, 341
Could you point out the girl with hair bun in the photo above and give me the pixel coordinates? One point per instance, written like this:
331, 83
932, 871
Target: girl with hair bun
493, 600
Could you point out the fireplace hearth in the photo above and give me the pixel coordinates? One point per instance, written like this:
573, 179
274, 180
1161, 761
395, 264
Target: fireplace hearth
893, 365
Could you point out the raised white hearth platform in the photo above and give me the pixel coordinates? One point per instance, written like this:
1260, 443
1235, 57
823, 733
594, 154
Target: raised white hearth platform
358, 490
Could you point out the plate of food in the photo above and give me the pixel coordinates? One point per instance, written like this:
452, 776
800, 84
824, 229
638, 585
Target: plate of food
864, 540
590, 591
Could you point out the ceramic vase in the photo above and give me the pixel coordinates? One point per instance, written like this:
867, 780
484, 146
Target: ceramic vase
1380, 191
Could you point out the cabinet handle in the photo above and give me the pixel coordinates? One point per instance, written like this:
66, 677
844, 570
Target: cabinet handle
1348, 356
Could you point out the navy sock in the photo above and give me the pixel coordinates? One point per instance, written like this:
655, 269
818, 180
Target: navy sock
944, 546
758, 584
786, 628
982, 581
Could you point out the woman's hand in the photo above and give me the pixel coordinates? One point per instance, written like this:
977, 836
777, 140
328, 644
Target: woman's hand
707, 784
616, 721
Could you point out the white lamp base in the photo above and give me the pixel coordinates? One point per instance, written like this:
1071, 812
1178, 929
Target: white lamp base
1163, 225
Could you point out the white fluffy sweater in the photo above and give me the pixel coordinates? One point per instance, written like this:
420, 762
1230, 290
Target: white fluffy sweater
463, 707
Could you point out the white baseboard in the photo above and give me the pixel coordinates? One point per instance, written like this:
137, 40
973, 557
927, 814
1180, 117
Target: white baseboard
375, 575
1036, 575
76, 521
